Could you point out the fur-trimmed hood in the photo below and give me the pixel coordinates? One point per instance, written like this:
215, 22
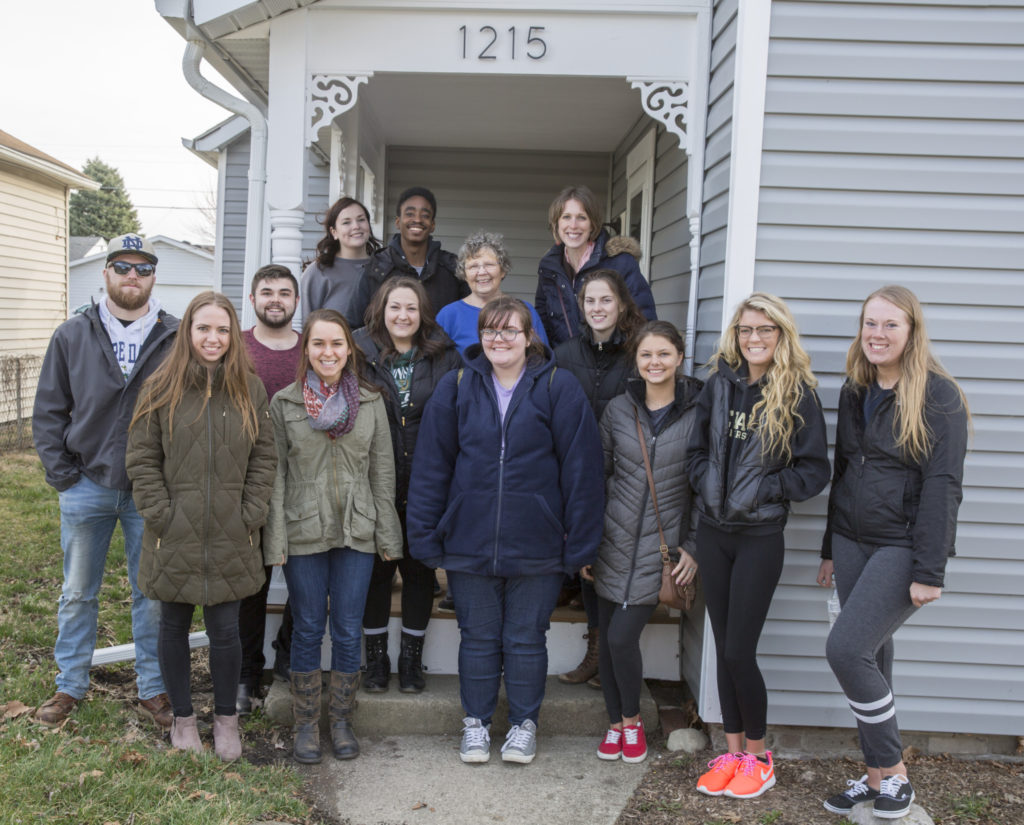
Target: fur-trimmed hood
623, 243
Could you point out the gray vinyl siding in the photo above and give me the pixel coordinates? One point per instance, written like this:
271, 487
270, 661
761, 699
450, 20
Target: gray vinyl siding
670, 229
894, 153
496, 190
717, 164
234, 208
317, 202
714, 215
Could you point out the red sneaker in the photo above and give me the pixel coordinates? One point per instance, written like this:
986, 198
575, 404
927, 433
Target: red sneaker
714, 781
753, 777
634, 745
611, 747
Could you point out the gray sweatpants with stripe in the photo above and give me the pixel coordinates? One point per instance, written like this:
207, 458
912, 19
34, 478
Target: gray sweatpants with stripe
874, 591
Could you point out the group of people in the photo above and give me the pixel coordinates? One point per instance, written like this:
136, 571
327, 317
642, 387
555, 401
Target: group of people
386, 438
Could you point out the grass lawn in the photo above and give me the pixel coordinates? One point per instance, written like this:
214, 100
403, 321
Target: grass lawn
105, 765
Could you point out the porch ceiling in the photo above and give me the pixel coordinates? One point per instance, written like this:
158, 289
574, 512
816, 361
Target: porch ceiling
580, 114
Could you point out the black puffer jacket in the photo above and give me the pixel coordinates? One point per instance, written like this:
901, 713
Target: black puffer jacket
880, 498
439, 280
628, 567
601, 369
405, 424
556, 291
738, 488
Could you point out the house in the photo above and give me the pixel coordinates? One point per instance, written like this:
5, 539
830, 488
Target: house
183, 271
815, 149
34, 192
82, 246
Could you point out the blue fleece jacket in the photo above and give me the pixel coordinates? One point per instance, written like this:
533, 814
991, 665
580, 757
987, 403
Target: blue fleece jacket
532, 508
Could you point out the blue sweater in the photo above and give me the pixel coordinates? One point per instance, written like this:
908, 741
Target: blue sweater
531, 508
459, 321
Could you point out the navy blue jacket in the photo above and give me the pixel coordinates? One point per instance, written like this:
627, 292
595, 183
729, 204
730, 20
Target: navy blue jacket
532, 507
556, 291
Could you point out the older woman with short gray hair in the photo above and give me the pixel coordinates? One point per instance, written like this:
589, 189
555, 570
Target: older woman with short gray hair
483, 263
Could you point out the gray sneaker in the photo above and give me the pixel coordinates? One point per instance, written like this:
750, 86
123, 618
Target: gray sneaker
476, 741
520, 743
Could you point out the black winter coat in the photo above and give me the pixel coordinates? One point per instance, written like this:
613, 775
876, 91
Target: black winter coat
405, 424
880, 498
628, 567
740, 489
556, 291
439, 280
601, 369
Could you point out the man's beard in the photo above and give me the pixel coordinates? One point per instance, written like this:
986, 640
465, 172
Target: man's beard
284, 321
129, 300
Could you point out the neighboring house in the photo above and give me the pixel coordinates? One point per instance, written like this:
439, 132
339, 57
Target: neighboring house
183, 271
816, 150
34, 192
82, 246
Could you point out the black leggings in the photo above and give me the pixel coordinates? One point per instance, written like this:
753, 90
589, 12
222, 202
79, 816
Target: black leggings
619, 661
739, 572
221, 622
252, 621
417, 594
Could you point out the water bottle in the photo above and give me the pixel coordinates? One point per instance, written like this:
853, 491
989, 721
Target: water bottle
833, 607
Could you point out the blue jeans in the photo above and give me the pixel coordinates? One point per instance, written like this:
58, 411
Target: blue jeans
342, 575
88, 515
504, 624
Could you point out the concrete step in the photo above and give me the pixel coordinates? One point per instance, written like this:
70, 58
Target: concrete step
567, 709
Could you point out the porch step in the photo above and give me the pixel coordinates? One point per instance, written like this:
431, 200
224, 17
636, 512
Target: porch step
567, 709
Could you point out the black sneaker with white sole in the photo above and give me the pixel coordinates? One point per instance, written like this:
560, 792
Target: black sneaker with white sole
894, 797
842, 803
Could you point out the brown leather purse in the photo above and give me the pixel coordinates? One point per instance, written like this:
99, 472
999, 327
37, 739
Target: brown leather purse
670, 594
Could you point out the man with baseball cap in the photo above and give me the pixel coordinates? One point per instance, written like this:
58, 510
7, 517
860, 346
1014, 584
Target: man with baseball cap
91, 375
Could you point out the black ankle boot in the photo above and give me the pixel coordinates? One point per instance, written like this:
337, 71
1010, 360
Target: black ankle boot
410, 664
378, 664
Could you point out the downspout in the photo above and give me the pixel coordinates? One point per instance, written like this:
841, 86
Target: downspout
194, 52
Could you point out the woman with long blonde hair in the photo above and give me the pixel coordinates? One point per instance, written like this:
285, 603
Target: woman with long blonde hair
902, 424
201, 459
758, 443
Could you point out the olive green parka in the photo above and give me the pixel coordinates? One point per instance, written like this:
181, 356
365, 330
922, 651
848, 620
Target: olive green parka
203, 491
331, 492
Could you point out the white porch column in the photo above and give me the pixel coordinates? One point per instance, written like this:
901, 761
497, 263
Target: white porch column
286, 146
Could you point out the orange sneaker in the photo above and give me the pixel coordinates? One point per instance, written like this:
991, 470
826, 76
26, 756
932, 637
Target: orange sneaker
753, 777
714, 781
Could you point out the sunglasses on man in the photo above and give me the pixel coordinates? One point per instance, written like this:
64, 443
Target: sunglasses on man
142, 270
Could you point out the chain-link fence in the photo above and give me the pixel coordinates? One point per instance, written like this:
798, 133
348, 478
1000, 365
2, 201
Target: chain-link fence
19, 375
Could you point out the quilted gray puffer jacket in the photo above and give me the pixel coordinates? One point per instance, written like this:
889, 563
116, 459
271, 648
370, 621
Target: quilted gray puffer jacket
628, 567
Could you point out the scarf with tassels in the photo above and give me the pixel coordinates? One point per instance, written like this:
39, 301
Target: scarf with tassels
327, 408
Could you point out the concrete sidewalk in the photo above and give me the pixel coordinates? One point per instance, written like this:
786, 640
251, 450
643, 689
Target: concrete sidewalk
409, 769
406, 780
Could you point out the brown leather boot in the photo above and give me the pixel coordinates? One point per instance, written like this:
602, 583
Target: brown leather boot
55, 710
157, 710
306, 708
587, 669
339, 709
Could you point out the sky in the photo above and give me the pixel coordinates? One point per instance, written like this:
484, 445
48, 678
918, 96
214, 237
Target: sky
103, 79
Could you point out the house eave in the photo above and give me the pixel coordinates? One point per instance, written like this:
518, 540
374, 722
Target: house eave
72, 180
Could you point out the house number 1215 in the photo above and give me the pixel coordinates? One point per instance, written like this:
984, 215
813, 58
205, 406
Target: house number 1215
487, 40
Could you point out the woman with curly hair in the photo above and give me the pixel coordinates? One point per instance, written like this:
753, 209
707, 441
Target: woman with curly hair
901, 439
758, 443
201, 459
